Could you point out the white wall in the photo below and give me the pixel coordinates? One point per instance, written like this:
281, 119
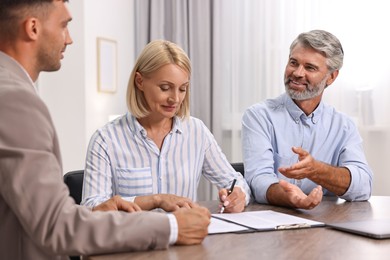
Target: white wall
76, 106
112, 19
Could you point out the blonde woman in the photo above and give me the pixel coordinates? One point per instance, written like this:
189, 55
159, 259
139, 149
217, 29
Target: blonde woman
156, 153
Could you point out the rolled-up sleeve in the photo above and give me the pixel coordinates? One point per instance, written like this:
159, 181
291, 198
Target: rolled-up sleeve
257, 154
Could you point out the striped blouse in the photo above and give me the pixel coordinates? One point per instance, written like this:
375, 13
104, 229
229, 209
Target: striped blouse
122, 160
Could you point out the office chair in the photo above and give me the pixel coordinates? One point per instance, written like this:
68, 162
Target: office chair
74, 180
238, 167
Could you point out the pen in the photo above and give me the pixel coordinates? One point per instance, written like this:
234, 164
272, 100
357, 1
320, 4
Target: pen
229, 192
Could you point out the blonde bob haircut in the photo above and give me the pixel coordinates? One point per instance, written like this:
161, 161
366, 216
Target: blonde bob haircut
156, 54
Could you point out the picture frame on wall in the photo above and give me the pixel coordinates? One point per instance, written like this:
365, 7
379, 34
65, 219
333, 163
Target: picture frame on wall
107, 65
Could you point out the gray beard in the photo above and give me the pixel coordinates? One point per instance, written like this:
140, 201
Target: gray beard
310, 91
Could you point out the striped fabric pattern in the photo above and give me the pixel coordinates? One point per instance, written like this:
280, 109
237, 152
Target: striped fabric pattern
122, 160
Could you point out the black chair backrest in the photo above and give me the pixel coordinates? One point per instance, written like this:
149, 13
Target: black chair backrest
238, 167
74, 180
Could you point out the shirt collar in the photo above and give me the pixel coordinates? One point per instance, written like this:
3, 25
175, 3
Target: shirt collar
136, 127
177, 125
296, 113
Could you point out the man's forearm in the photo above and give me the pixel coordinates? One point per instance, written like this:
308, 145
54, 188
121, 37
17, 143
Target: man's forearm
334, 179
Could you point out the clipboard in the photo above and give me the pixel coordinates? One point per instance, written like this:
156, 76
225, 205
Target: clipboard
253, 221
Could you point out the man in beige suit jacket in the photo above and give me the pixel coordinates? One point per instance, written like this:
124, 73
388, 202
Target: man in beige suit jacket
38, 219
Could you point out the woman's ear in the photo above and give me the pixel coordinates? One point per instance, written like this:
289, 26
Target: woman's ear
139, 81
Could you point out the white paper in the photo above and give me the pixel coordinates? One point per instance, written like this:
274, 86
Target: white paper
218, 226
266, 219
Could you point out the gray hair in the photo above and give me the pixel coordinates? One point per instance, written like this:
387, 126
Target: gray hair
324, 42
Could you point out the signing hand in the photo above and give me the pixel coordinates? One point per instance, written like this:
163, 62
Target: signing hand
233, 203
117, 203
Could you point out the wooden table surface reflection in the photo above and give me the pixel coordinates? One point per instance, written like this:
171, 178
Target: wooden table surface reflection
311, 243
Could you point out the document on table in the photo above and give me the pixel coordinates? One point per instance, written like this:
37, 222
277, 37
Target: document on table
264, 220
218, 226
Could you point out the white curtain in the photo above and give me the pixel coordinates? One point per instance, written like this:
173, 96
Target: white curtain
239, 49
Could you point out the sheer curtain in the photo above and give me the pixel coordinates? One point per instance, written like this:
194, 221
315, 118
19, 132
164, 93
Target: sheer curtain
239, 49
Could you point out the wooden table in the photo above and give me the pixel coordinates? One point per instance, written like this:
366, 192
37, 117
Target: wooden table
311, 243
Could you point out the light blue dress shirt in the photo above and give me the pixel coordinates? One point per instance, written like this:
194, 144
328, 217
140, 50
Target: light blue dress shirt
269, 131
122, 160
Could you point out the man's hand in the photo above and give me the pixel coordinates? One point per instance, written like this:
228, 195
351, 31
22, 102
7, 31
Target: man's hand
233, 203
297, 199
167, 202
193, 225
305, 168
117, 203
334, 179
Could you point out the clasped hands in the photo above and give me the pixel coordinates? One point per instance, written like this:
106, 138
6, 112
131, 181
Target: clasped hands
306, 167
192, 219
167, 202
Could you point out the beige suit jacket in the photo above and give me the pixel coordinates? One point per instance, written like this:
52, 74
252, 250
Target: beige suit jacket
38, 219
